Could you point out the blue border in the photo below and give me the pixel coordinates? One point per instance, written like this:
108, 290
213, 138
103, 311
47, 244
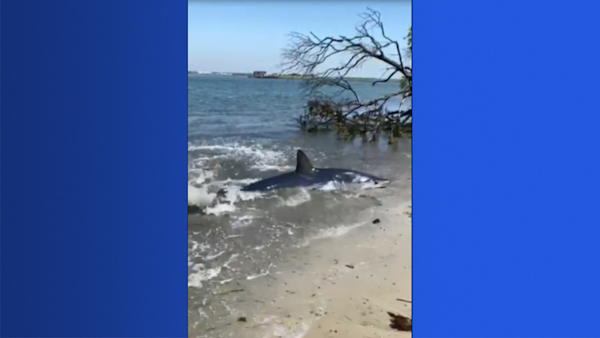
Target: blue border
94, 139
506, 146
505, 170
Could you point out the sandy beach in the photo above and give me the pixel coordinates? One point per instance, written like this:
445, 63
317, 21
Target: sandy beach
348, 284
372, 277
305, 264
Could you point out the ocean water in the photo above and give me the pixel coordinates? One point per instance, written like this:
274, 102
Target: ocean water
241, 130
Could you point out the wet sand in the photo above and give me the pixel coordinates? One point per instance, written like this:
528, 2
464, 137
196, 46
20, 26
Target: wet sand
348, 283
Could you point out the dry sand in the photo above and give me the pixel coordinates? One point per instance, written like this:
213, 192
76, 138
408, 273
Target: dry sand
359, 298
348, 283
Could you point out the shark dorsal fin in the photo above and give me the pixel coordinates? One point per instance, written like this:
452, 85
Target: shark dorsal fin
303, 165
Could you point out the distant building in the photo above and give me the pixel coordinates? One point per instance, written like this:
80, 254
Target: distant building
259, 73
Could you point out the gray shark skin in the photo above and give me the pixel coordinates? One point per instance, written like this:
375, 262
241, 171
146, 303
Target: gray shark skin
307, 176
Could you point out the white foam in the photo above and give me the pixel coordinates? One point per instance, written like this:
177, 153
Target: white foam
286, 332
202, 180
229, 261
211, 257
202, 176
199, 196
201, 247
201, 274
234, 193
220, 209
267, 167
228, 202
242, 221
337, 231
330, 232
262, 274
260, 158
284, 327
301, 197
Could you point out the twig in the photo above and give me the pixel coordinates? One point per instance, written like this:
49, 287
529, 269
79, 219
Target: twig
404, 300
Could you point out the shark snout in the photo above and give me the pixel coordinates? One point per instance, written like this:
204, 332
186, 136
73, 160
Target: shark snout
381, 182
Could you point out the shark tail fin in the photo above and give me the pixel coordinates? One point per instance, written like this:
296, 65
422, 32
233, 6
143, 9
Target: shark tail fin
303, 165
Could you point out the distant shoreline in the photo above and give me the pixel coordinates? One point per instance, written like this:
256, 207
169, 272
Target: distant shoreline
284, 77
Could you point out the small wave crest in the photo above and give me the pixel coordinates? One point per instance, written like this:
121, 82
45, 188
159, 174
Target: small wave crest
201, 274
329, 232
213, 167
300, 197
206, 262
257, 156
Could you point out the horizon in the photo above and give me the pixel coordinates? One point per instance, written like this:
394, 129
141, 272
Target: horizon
228, 73
258, 32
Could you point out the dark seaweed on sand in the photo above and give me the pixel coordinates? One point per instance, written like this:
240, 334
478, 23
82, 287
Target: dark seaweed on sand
400, 323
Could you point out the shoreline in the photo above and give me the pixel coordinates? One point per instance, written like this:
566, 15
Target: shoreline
338, 282
344, 286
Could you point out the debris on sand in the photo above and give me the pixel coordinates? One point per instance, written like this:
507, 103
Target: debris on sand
350, 266
242, 319
409, 213
376, 221
400, 323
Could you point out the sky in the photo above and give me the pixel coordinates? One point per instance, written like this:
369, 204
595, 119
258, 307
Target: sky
244, 36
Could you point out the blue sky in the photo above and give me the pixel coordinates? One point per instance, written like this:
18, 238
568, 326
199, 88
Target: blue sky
237, 36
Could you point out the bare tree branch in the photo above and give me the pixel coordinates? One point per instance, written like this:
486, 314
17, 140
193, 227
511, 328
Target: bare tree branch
332, 97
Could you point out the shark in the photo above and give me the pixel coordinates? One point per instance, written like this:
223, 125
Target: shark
309, 177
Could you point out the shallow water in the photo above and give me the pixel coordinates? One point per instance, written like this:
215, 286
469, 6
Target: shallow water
241, 130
